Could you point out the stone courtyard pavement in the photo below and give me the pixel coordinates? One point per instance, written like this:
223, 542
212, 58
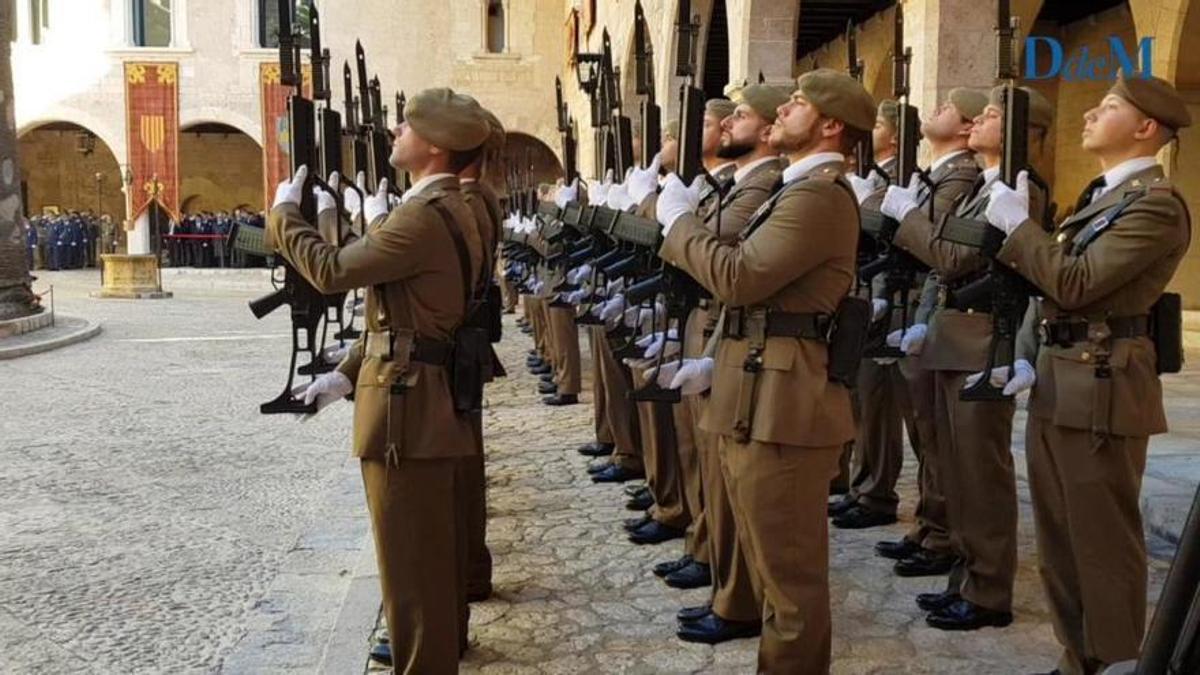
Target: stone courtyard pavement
152, 521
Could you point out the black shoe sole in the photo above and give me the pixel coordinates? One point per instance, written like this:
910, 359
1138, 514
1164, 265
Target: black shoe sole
705, 639
875, 521
998, 622
688, 584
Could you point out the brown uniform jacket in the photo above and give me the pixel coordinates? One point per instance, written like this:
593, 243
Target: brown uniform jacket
799, 259
413, 277
1122, 273
958, 341
486, 208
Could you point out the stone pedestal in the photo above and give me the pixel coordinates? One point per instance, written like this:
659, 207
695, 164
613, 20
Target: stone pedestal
130, 277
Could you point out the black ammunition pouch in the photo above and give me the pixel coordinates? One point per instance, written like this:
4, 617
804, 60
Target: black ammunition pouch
847, 339
470, 367
1166, 330
495, 308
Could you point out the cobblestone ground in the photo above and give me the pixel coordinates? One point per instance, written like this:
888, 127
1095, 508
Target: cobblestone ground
146, 509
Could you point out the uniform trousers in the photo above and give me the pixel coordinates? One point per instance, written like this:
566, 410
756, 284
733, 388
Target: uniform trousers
418, 544
975, 457
779, 495
1091, 548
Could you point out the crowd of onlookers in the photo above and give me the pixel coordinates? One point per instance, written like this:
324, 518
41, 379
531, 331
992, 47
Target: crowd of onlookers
76, 239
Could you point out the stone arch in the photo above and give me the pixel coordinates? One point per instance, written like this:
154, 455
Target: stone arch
55, 173
104, 127
220, 167
246, 124
518, 149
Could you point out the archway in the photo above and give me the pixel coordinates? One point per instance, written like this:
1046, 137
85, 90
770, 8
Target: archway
66, 168
220, 168
522, 151
1182, 166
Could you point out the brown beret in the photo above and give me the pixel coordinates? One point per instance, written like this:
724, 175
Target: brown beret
719, 108
889, 110
970, 102
448, 120
1156, 98
765, 99
1041, 113
839, 96
671, 130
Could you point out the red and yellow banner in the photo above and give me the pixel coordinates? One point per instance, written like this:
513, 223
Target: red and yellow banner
152, 135
277, 164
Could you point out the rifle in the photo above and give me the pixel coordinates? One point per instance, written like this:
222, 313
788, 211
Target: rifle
308, 306
899, 267
566, 129
1002, 292
620, 130
864, 152
354, 129
651, 114
403, 180
691, 97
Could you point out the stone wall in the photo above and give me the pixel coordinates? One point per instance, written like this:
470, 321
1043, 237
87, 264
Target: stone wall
220, 172
56, 174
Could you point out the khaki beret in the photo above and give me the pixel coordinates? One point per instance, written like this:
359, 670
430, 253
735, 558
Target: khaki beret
719, 108
970, 102
1041, 113
889, 110
839, 96
671, 130
1156, 98
448, 120
765, 99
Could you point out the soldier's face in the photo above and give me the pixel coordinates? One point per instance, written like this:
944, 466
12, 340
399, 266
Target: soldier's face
987, 130
670, 154
1112, 124
710, 139
742, 131
408, 149
883, 136
945, 123
796, 125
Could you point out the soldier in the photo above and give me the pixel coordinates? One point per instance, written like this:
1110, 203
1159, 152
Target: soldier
972, 437
408, 434
735, 608
951, 175
781, 422
1097, 397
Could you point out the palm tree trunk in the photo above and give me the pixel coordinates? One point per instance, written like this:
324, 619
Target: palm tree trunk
16, 296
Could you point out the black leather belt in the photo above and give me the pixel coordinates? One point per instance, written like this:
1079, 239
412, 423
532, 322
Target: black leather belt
805, 325
432, 352
1065, 332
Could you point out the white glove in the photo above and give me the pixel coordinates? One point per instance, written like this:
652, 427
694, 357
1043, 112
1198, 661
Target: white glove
913, 339
677, 199
377, 204
865, 187
394, 201
618, 198
1023, 378
291, 190
326, 201
612, 308
567, 194
643, 182
575, 297
694, 377
614, 286
353, 199
654, 346
879, 307
328, 387
1008, 208
579, 273
900, 200
598, 192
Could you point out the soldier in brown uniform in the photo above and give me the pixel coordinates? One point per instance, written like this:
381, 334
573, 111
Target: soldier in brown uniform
972, 437
668, 446
485, 206
735, 608
781, 422
1098, 397
406, 430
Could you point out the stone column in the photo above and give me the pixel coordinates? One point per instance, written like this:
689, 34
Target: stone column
138, 241
762, 37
